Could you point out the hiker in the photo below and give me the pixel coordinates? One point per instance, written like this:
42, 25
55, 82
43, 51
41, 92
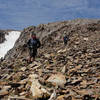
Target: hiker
65, 39
33, 44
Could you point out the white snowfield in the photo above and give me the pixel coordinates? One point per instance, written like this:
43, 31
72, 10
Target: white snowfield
9, 43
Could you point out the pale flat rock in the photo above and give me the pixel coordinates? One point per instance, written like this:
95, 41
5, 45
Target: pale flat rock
86, 39
62, 51
85, 91
24, 81
63, 69
23, 68
57, 79
6, 88
47, 55
17, 98
3, 93
36, 88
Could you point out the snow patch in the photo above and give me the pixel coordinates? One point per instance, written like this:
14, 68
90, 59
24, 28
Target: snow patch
9, 43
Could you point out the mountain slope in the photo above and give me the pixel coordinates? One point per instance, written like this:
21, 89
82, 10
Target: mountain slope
70, 72
2, 36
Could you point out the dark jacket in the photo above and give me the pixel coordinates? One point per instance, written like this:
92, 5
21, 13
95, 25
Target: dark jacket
33, 43
65, 39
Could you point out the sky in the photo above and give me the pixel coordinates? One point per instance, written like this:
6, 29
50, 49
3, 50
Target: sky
19, 14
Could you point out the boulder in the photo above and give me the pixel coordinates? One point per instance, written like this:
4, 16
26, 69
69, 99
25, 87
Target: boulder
57, 79
38, 91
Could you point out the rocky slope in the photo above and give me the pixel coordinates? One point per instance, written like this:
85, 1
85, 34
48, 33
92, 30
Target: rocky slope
70, 72
2, 36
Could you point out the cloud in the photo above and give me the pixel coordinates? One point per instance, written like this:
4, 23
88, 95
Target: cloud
22, 13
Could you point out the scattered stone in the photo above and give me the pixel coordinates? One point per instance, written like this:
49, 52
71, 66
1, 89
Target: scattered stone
64, 70
23, 68
86, 39
3, 93
47, 55
53, 96
61, 97
37, 89
73, 70
17, 98
57, 79
6, 88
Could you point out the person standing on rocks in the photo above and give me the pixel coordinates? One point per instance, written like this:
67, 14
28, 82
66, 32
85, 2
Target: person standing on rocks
33, 44
65, 39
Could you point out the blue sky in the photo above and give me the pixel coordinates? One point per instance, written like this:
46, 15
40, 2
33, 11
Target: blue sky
18, 14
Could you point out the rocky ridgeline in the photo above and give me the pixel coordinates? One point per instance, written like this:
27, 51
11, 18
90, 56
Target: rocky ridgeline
2, 36
70, 72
